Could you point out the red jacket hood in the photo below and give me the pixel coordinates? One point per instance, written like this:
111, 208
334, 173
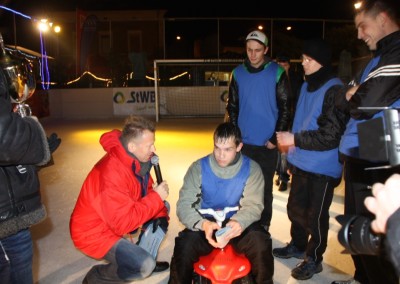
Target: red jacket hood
113, 146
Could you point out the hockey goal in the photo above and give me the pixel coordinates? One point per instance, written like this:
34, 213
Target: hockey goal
192, 87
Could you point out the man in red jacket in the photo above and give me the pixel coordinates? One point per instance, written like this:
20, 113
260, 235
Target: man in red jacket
118, 197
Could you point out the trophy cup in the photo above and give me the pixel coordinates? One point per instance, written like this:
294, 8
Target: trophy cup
20, 78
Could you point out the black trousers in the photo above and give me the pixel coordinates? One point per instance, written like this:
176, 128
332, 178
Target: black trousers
282, 168
308, 210
266, 158
254, 242
369, 269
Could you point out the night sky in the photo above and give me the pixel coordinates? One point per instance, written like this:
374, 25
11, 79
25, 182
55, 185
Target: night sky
335, 9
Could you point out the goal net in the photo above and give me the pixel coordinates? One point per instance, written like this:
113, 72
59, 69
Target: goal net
192, 87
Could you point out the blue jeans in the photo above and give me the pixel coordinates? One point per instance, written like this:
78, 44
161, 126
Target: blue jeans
127, 262
16, 256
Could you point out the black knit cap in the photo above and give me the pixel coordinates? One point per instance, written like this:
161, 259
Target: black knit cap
319, 50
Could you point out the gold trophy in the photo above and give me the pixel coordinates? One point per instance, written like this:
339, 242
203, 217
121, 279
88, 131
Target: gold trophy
20, 78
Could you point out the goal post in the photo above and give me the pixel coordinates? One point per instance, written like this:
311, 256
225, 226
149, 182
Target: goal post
192, 87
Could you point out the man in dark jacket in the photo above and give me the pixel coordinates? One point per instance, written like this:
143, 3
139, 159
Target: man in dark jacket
258, 103
23, 147
313, 160
378, 85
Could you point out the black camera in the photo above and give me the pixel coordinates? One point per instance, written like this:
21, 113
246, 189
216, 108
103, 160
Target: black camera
379, 142
356, 235
379, 139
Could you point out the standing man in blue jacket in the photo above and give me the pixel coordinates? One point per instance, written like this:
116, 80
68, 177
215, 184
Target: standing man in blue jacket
314, 160
258, 103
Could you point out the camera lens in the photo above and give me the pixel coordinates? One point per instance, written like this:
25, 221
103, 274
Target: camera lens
356, 235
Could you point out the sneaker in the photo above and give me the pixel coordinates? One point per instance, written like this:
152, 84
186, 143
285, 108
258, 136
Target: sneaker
161, 266
283, 186
306, 269
349, 281
288, 251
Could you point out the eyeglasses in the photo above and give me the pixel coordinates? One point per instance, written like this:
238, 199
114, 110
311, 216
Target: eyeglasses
306, 59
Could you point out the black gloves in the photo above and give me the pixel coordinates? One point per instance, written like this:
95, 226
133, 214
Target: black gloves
54, 141
161, 222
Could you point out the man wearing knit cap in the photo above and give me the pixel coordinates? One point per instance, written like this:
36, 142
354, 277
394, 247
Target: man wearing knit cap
313, 160
319, 50
258, 103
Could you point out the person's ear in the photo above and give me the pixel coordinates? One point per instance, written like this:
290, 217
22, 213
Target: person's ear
382, 19
239, 147
131, 147
266, 49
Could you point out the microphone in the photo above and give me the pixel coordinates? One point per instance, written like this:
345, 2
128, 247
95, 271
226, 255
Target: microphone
154, 161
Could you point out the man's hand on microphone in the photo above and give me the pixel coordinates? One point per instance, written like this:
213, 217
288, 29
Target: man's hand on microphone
162, 189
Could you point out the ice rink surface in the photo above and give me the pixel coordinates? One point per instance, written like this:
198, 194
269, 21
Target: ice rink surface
179, 142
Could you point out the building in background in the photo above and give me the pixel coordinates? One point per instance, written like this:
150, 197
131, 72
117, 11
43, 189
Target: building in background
121, 46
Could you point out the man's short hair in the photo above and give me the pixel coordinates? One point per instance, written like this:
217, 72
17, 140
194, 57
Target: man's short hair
374, 7
134, 126
227, 130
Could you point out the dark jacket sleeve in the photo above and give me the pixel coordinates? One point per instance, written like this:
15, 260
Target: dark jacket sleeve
340, 98
232, 106
331, 125
376, 92
381, 89
283, 102
22, 140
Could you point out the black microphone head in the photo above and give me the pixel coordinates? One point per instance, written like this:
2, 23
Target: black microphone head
155, 160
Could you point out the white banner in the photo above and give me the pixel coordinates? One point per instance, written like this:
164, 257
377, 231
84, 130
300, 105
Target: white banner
135, 100
199, 100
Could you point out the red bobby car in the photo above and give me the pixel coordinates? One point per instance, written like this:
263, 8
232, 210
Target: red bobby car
222, 265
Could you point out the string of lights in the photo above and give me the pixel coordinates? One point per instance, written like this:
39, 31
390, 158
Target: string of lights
44, 68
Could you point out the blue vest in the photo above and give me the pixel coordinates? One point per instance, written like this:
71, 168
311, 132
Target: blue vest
218, 193
258, 110
349, 143
309, 108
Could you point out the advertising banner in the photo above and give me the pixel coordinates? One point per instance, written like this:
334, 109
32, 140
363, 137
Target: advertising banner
137, 100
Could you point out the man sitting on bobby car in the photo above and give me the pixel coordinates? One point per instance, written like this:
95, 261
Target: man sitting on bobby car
225, 178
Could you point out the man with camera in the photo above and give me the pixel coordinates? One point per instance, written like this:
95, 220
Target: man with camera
378, 85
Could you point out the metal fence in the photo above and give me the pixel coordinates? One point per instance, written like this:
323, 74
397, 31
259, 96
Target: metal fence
195, 38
